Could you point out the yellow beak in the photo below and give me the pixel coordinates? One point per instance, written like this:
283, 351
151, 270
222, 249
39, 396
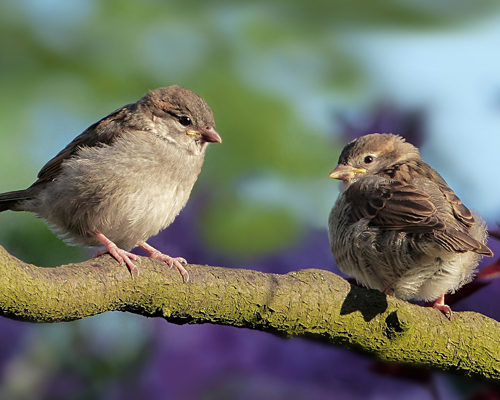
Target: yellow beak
343, 172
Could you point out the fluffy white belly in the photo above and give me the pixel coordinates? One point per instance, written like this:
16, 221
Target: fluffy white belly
134, 200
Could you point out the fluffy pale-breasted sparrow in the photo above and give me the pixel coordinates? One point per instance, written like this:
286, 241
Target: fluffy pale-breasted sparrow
398, 227
126, 177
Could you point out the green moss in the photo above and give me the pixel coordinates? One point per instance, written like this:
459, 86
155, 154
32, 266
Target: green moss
310, 303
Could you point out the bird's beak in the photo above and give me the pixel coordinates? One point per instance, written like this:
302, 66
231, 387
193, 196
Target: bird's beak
208, 134
343, 172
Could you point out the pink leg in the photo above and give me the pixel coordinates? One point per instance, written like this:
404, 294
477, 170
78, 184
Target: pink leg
177, 261
119, 254
439, 304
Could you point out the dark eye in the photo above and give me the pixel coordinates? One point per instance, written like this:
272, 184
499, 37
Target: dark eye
368, 159
186, 121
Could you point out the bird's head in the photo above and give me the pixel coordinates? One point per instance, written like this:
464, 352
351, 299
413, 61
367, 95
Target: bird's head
371, 154
180, 116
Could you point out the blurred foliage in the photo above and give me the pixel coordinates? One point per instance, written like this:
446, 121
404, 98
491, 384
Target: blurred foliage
35, 243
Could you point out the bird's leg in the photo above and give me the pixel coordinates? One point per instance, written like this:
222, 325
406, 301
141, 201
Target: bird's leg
177, 261
440, 305
119, 254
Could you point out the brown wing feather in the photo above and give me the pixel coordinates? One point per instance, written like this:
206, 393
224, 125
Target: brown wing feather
406, 172
95, 135
461, 212
392, 205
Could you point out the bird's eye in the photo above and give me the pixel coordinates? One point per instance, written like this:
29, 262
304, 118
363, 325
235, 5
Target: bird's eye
368, 159
184, 120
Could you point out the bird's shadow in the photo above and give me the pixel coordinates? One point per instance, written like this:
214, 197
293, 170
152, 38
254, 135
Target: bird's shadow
367, 301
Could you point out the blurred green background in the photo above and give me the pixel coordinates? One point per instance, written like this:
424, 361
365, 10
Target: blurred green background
279, 77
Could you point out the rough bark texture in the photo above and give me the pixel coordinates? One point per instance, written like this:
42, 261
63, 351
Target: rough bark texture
311, 303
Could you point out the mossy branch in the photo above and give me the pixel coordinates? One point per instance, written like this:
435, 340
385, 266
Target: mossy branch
310, 303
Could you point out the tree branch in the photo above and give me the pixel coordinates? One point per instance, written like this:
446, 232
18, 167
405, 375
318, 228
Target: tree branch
310, 303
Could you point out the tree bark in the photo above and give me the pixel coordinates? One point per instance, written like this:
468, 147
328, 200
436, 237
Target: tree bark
311, 303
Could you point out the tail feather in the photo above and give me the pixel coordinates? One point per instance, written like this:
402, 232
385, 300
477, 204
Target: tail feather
12, 200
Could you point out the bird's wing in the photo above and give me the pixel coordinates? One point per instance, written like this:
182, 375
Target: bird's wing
102, 132
392, 205
461, 212
457, 236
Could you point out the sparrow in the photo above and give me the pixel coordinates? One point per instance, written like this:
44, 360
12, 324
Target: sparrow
398, 227
126, 177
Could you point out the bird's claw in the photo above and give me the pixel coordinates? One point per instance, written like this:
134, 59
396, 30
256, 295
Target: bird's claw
177, 261
171, 261
444, 308
122, 256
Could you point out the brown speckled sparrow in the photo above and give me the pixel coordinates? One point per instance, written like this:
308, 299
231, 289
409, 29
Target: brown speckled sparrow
126, 177
398, 227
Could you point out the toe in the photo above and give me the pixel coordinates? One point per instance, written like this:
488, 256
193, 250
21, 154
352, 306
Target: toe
445, 309
134, 271
180, 267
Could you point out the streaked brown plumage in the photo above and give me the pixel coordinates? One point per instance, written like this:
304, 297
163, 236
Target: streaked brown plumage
398, 227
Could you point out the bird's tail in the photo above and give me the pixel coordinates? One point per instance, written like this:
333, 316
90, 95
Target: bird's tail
13, 200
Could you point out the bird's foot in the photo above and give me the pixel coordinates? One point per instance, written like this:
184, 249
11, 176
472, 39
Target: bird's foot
177, 261
444, 308
119, 254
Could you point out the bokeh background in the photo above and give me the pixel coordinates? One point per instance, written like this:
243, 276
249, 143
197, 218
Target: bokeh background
289, 83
